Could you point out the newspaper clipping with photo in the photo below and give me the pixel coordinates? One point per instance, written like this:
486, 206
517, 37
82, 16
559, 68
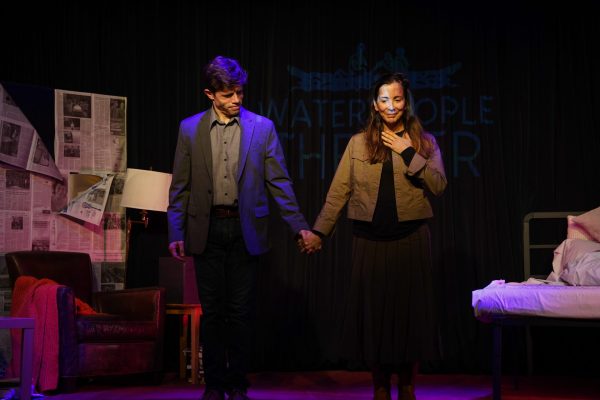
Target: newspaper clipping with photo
20, 144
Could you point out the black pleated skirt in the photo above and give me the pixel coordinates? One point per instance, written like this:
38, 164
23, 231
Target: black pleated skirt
390, 316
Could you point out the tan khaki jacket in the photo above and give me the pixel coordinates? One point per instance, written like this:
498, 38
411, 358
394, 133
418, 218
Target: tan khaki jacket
356, 182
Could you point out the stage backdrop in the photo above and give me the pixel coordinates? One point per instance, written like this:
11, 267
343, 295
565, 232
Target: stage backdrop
509, 90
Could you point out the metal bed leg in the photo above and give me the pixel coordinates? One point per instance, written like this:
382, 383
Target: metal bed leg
497, 361
529, 350
516, 366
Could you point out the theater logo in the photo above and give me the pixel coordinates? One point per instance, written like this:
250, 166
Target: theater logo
324, 109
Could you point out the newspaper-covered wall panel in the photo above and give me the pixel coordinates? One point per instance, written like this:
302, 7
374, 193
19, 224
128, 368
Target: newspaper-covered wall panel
15, 142
109, 238
40, 160
16, 189
72, 235
110, 152
110, 130
116, 193
74, 145
15, 206
20, 144
43, 194
17, 230
93, 130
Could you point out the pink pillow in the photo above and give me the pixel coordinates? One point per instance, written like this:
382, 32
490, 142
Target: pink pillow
587, 225
576, 231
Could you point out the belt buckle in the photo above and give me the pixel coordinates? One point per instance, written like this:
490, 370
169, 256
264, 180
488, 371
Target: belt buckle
225, 212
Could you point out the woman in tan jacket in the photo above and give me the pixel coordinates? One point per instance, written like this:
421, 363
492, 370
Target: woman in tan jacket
383, 176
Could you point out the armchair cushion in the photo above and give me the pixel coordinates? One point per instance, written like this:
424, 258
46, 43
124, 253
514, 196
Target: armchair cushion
135, 304
83, 308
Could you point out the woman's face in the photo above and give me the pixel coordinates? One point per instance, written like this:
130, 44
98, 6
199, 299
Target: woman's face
390, 104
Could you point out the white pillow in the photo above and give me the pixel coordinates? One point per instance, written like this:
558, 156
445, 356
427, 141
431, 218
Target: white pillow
587, 225
584, 271
568, 251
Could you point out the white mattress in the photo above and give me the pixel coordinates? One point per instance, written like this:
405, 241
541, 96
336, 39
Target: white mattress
543, 300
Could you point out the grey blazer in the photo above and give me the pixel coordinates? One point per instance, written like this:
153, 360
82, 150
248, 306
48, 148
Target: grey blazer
261, 168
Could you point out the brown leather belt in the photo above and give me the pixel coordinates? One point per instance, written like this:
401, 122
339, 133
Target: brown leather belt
225, 211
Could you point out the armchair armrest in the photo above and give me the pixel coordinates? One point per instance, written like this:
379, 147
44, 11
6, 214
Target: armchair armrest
144, 304
67, 331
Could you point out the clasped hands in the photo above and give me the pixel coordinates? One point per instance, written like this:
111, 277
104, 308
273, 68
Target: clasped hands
308, 242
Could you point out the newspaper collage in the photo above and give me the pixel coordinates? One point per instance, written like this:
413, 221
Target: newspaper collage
91, 154
72, 204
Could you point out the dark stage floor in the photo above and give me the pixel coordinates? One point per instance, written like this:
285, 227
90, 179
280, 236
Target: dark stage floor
338, 385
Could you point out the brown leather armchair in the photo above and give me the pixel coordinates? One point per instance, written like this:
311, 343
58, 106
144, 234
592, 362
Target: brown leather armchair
125, 337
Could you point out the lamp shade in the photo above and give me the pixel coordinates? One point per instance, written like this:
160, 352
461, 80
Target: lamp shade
146, 190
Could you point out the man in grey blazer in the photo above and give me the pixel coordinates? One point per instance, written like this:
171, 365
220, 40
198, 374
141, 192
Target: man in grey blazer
227, 159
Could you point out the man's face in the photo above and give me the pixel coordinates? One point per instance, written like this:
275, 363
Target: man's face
226, 102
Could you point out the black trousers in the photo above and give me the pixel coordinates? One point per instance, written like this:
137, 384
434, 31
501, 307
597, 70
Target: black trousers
226, 277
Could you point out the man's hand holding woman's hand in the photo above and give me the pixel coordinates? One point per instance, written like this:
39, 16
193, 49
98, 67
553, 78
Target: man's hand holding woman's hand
309, 242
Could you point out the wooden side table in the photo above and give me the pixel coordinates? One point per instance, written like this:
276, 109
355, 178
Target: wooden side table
186, 311
27, 325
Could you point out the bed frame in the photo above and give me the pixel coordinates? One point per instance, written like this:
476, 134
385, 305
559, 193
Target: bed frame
500, 321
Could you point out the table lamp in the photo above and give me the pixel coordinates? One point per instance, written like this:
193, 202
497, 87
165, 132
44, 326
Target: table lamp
145, 190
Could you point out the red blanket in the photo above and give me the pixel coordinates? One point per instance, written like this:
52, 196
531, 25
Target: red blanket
36, 299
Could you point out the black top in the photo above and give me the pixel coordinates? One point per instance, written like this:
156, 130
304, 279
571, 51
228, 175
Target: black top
385, 224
